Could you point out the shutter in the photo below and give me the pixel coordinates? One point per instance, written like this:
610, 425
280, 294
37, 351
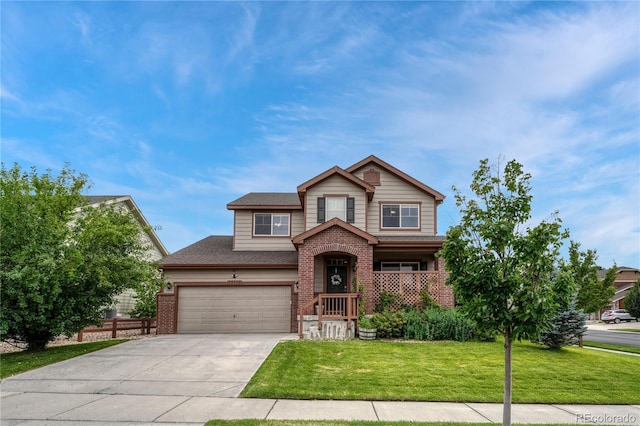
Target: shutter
351, 209
321, 210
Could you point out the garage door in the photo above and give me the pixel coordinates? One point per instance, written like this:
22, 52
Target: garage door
234, 309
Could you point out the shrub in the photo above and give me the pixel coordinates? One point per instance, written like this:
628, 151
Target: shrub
566, 329
388, 301
426, 301
390, 324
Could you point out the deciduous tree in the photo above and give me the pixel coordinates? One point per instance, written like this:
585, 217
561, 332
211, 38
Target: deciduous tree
594, 293
500, 267
632, 301
61, 261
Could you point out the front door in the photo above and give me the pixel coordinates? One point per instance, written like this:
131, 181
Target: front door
336, 276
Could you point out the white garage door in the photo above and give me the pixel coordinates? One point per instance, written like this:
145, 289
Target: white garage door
234, 309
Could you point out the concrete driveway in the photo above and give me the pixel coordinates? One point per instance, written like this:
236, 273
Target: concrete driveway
141, 381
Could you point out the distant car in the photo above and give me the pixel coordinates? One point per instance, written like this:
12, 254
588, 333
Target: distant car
617, 316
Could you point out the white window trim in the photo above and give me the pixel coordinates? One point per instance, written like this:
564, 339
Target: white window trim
400, 206
288, 216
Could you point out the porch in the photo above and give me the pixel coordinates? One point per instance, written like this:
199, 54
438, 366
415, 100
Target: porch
343, 307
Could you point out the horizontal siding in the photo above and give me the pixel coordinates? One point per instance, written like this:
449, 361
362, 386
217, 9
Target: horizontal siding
394, 189
224, 275
244, 239
339, 186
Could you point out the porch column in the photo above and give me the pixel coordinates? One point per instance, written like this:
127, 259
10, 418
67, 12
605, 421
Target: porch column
305, 275
365, 273
445, 292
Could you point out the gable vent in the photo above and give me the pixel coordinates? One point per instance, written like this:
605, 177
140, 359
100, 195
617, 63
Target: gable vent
372, 176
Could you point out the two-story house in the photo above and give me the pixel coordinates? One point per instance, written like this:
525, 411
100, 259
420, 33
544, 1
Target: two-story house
294, 255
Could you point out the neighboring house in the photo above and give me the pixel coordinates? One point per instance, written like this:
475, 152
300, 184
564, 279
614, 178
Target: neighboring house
157, 250
303, 252
625, 278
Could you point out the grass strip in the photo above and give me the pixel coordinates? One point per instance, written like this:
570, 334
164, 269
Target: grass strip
19, 362
611, 346
443, 371
253, 422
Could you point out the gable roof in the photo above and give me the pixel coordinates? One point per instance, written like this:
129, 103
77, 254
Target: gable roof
217, 251
95, 200
398, 173
336, 171
270, 200
299, 239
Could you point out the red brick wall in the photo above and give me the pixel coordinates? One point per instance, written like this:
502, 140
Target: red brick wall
166, 313
445, 292
335, 240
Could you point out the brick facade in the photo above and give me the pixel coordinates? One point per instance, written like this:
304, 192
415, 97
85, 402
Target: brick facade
445, 292
335, 240
166, 313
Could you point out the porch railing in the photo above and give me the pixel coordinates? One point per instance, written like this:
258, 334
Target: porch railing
343, 306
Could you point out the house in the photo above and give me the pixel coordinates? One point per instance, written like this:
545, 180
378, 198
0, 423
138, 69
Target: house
625, 279
156, 250
305, 255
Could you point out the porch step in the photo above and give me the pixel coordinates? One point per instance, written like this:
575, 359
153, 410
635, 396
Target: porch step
331, 330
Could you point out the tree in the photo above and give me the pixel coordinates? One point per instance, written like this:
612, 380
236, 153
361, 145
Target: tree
501, 269
593, 293
61, 261
567, 327
632, 301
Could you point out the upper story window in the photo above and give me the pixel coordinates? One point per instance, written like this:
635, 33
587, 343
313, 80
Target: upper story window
341, 207
400, 216
271, 224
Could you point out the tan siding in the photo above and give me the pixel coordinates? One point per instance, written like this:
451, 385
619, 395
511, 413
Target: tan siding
245, 241
394, 189
338, 186
224, 275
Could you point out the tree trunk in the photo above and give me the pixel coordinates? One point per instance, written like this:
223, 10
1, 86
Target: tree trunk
506, 407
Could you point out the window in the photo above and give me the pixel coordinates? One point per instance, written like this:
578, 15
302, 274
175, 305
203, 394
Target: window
400, 266
341, 207
271, 224
400, 216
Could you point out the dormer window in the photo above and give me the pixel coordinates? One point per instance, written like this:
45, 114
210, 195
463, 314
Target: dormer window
271, 224
336, 206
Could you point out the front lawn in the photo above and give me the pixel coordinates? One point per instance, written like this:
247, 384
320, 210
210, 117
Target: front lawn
254, 422
19, 362
443, 371
613, 347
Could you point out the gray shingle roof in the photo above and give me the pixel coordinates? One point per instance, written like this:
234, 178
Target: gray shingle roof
217, 250
267, 199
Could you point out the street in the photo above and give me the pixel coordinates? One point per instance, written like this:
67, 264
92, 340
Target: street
606, 333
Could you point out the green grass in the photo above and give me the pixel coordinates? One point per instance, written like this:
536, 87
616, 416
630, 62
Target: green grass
628, 330
330, 423
443, 371
19, 362
613, 347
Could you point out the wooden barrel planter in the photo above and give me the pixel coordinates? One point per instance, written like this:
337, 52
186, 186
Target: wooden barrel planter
367, 333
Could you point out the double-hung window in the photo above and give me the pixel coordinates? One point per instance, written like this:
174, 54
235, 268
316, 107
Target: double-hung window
341, 207
400, 216
274, 224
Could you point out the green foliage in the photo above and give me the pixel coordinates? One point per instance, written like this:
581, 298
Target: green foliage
566, 329
388, 301
500, 268
426, 301
61, 261
632, 301
390, 324
145, 297
593, 293
437, 324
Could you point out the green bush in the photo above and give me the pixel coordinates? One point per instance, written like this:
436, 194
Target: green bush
426, 301
388, 301
390, 324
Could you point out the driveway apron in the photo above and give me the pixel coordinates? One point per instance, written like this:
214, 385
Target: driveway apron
138, 381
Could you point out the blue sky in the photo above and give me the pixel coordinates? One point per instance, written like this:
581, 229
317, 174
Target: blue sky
188, 105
